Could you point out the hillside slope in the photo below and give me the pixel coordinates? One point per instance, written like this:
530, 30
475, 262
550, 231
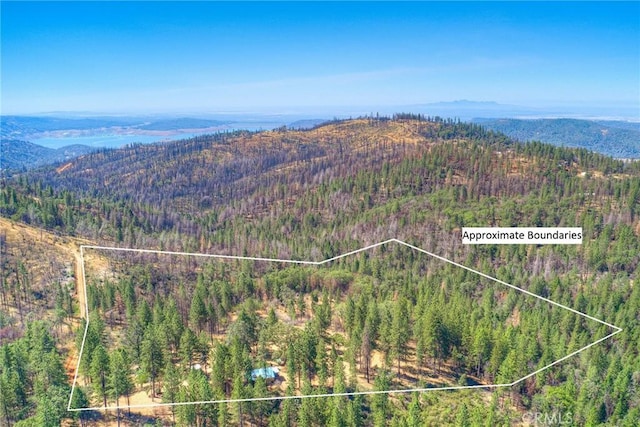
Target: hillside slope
617, 139
17, 155
318, 193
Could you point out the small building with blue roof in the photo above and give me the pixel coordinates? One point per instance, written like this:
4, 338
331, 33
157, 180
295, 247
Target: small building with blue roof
269, 373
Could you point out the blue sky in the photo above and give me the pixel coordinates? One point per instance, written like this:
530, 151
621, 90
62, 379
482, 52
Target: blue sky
173, 57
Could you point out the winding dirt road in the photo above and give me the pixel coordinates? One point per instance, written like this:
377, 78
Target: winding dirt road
70, 247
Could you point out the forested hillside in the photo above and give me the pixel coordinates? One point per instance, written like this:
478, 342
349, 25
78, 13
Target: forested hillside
315, 194
614, 138
21, 155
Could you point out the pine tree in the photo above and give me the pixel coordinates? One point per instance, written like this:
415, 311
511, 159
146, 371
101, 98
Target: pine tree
152, 357
171, 386
413, 416
79, 400
338, 403
188, 344
51, 405
261, 409
10, 389
400, 331
380, 402
99, 372
186, 414
239, 392
462, 418
197, 312
224, 418
120, 382
366, 349
173, 325
305, 413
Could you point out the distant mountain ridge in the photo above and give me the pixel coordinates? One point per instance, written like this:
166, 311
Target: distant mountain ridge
306, 124
25, 127
182, 123
20, 127
620, 139
16, 155
613, 138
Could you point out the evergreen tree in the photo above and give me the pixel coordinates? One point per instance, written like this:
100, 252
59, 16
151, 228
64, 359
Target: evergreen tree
120, 382
414, 412
171, 386
99, 373
152, 357
400, 330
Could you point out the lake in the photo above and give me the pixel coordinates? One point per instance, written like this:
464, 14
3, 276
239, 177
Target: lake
116, 141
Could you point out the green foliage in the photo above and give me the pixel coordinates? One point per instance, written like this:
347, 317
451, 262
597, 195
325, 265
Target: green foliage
99, 372
609, 138
32, 366
315, 196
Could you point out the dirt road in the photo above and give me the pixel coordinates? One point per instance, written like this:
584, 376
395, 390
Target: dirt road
70, 247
